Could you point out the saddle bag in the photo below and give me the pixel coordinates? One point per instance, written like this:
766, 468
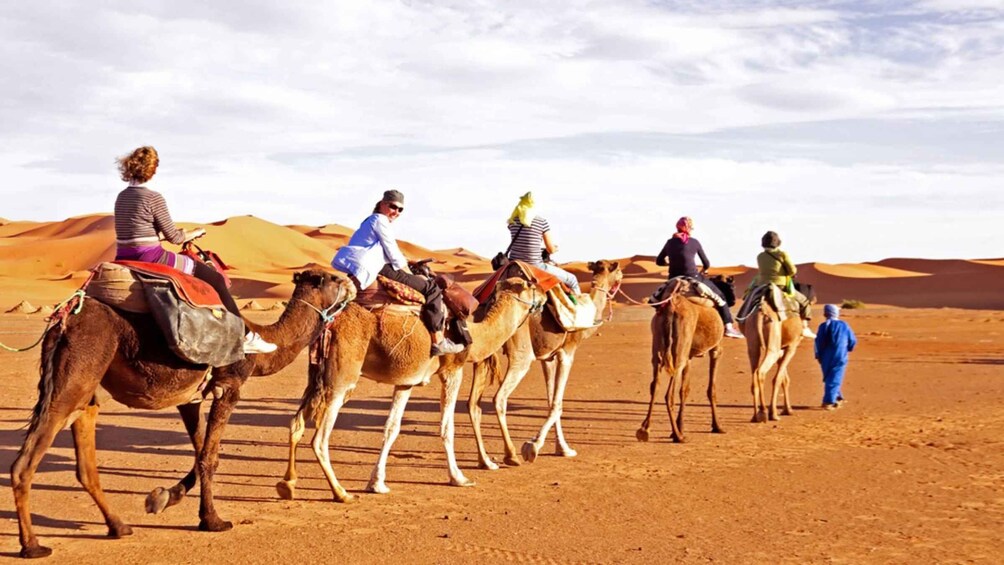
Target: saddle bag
458, 300
204, 336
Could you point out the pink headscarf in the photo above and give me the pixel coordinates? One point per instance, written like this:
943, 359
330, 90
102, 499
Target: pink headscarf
683, 227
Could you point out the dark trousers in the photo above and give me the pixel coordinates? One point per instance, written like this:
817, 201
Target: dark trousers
210, 275
723, 310
433, 312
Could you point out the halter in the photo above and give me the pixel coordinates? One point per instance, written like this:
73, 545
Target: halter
611, 292
329, 314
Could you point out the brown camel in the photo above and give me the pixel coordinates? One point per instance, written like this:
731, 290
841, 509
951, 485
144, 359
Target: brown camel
393, 349
768, 341
543, 339
126, 354
682, 330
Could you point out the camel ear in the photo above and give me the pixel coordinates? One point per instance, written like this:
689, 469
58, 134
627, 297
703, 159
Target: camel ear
591, 266
296, 278
613, 266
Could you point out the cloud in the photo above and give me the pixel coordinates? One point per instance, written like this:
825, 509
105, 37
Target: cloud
616, 112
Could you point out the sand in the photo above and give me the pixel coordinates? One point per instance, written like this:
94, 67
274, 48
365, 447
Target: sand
908, 471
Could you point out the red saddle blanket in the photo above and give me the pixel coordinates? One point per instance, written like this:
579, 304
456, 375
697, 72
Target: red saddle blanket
195, 291
545, 281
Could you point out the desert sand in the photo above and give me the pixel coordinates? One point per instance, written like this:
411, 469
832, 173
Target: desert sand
909, 470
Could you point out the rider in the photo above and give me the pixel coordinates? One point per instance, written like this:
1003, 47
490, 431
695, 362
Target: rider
141, 214
679, 251
531, 236
775, 267
372, 250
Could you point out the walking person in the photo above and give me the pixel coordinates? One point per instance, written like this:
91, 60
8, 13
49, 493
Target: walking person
679, 253
142, 220
834, 341
372, 250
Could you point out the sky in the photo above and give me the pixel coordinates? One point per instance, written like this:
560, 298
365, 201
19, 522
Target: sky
857, 130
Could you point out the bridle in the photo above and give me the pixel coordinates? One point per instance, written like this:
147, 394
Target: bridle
329, 314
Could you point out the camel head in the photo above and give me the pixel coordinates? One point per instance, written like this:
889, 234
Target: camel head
727, 285
518, 287
323, 289
606, 274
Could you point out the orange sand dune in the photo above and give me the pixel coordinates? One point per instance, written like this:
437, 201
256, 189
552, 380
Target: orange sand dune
865, 271
264, 256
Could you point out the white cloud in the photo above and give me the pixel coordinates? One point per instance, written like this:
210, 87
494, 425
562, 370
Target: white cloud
619, 113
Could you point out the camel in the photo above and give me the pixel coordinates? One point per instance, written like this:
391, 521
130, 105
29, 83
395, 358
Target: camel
545, 340
394, 349
682, 330
126, 355
770, 341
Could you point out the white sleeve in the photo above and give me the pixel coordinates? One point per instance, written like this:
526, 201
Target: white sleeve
391, 252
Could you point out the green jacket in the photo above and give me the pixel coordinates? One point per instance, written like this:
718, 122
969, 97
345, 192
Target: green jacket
775, 267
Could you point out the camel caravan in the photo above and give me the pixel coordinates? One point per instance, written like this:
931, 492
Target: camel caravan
155, 329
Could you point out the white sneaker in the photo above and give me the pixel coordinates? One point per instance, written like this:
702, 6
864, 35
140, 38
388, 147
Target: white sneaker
734, 333
253, 343
446, 347
806, 332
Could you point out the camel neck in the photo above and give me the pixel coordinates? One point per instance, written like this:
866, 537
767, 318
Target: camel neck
293, 331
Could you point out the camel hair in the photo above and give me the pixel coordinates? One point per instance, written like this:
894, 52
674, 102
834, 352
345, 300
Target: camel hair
395, 351
126, 354
770, 341
684, 328
545, 340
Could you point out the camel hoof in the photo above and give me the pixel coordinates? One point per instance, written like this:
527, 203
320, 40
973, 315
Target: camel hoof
774, 418
759, 417
678, 439
377, 488
346, 498
119, 531
717, 430
641, 434
286, 489
567, 452
462, 482
787, 412
215, 525
512, 460
157, 500
488, 465
529, 452
35, 552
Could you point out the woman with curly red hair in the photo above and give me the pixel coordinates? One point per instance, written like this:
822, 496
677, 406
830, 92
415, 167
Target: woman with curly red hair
141, 218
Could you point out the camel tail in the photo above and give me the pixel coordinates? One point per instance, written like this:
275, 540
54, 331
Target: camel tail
492, 367
316, 396
47, 371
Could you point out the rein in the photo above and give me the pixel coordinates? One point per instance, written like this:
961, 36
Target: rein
329, 314
62, 311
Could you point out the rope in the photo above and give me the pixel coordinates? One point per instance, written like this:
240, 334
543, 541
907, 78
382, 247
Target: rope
60, 312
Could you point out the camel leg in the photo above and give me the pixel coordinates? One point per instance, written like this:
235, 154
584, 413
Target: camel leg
160, 498
675, 433
684, 395
642, 433
781, 380
519, 366
532, 447
478, 385
321, 445
87, 469
448, 405
391, 429
59, 399
714, 356
286, 488
561, 447
226, 397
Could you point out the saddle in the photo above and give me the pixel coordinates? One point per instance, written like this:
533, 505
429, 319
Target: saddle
188, 311
392, 295
572, 313
389, 295
691, 289
773, 295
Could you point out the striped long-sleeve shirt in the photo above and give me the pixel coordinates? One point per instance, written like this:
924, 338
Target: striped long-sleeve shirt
140, 214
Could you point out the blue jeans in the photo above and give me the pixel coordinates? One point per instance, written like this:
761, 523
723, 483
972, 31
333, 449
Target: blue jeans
564, 276
833, 377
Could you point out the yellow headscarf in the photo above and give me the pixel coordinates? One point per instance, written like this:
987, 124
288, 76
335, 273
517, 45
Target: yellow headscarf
523, 211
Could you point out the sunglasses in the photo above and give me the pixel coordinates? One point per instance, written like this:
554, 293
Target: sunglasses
395, 207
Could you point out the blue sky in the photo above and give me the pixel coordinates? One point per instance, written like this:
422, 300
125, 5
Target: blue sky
857, 130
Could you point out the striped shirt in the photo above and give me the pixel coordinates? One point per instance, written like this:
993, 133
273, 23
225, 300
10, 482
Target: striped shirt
140, 214
528, 245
